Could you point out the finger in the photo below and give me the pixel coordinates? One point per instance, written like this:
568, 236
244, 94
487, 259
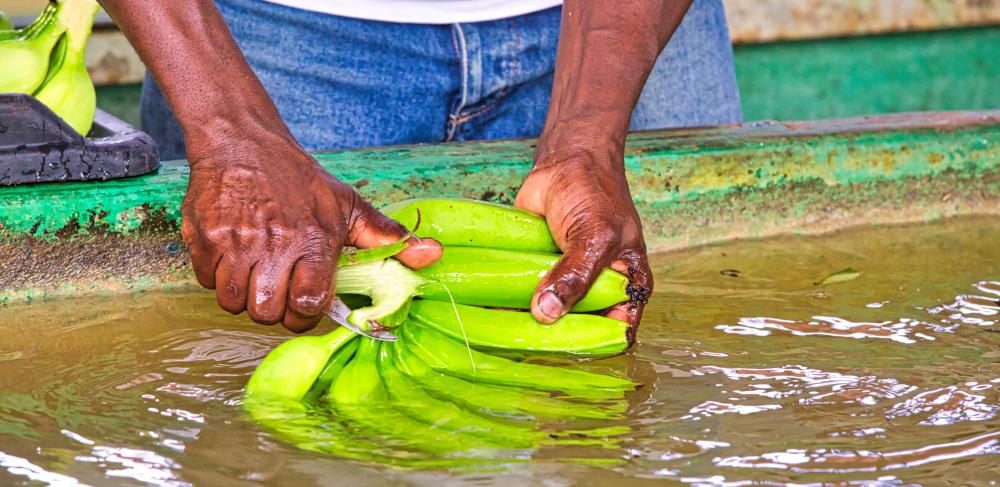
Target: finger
201, 260
570, 279
420, 252
310, 289
269, 290
232, 277
635, 265
630, 313
298, 324
373, 229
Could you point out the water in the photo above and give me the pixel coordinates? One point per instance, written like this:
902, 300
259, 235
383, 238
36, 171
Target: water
752, 373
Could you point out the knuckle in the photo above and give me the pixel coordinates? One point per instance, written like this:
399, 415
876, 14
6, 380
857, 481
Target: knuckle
276, 231
595, 235
204, 279
296, 326
572, 281
600, 237
244, 234
217, 235
309, 303
264, 315
188, 232
316, 245
230, 305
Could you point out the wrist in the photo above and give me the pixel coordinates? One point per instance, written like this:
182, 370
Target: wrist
238, 138
589, 142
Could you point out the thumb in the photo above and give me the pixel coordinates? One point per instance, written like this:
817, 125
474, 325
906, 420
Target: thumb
569, 280
370, 228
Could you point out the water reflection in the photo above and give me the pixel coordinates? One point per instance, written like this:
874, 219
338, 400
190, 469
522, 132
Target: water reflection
843, 461
945, 318
889, 379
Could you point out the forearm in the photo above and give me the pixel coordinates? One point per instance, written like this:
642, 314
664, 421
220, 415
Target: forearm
606, 50
209, 84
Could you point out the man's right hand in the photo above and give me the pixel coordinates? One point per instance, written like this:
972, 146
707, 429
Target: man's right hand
265, 224
263, 221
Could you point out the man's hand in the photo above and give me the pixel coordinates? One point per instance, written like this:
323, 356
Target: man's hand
263, 221
265, 224
606, 50
585, 199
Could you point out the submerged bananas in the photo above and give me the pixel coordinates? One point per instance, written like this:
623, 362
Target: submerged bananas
25, 54
46, 59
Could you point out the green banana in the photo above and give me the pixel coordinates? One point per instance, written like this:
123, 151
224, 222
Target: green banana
359, 397
410, 399
333, 368
69, 92
26, 54
579, 334
453, 358
467, 275
472, 223
320, 432
291, 369
507, 279
505, 402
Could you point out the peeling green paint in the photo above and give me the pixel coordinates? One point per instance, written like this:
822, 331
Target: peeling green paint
665, 167
691, 186
953, 69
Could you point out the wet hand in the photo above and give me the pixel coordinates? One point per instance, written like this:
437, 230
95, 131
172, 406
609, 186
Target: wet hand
265, 224
584, 196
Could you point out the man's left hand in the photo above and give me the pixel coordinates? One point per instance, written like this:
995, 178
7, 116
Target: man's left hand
585, 198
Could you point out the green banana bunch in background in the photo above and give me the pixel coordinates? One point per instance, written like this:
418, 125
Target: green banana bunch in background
46, 59
68, 89
7, 30
24, 56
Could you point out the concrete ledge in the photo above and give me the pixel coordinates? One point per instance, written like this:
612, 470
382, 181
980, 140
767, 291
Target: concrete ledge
692, 187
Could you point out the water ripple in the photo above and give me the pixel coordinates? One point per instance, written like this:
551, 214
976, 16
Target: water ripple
864, 460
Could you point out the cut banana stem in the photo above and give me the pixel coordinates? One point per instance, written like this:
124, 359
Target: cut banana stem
465, 275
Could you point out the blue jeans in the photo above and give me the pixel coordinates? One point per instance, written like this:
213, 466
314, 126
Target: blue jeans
341, 82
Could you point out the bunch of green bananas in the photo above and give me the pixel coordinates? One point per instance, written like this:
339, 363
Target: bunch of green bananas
447, 393
46, 59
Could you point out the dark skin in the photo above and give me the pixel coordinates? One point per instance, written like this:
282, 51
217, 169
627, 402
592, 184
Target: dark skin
265, 223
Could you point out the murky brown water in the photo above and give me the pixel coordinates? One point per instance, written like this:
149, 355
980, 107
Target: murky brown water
753, 373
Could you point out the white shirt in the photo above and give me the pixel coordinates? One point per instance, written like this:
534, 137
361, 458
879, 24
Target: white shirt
423, 11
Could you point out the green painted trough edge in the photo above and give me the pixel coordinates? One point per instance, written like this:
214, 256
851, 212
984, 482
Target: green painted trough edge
692, 186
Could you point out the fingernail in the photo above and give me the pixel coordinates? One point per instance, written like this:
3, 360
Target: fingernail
550, 305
